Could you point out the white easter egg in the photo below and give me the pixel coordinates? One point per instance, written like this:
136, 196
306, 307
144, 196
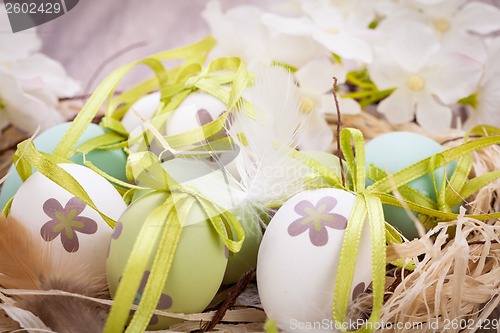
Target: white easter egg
299, 257
145, 107
199, 108
74, 232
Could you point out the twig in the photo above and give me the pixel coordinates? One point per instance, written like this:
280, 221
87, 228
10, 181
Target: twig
339, 124
108, 60
221, 312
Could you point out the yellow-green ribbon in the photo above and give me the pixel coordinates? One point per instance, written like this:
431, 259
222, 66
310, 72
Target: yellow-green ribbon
366, 205
146, 168
369, 201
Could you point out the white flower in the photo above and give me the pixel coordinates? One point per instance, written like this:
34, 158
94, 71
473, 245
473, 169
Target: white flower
239, 32
427, 80
14, 46
486, 110
341, 29
22, 109
315, 80
52, 76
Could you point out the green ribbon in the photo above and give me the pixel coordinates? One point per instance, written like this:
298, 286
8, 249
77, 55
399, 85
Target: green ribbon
369, 201
146, 168
212, 80
366, 205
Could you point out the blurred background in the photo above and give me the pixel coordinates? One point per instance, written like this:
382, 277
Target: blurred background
95, 38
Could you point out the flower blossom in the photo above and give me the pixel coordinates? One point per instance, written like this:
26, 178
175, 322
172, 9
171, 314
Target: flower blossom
315, 219
340, 29
427, 78
30, 83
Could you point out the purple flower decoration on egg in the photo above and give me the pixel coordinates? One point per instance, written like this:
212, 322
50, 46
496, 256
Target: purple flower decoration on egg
164, 303
315, 219
66, 222
358, 290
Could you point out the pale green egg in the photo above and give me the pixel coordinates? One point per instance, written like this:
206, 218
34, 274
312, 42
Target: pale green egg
197, 269
394, 151
110, 161
331, 162
246, 259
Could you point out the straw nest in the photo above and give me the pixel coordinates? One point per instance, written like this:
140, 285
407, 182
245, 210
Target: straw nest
455, 286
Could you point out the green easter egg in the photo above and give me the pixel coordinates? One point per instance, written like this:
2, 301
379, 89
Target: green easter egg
197, 269
246, 259
332, 162
110, 161
394, 151
181, 171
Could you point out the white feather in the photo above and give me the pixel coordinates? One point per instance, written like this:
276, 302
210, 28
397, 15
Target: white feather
268, 175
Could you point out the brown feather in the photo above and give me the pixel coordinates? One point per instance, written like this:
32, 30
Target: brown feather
25, 263
21, 263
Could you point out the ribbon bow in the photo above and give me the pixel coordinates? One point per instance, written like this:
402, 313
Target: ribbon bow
179, 199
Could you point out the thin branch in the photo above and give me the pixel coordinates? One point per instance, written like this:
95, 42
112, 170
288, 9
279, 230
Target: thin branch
339, 124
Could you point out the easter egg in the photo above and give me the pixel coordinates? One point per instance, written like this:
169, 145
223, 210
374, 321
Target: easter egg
74, 232
199, 108
299, 257
110, 161
145, 107
246, 259
197, 268
394, 151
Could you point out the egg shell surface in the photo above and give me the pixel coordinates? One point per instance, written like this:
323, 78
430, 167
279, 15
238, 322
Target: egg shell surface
74, 232
197, 269
145, 107
199, 108
110, 161
299, 257
394, 151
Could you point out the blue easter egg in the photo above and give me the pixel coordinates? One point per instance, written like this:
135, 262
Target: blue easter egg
394, 151
110, 161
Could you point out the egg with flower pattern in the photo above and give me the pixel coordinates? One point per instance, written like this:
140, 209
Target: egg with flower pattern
197, 268
199, 108
73, 232
299, 256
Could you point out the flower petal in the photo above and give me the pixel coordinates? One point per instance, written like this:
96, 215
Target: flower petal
328, 203
295, 51
385, 72
413, 46
399, 107
74, 203
70, 245
431, 115
165, 302
316, 76
53, 74
25, 111
117, 231
301, 206
318, 238
51, 206
300, 26
47, 230
349, 106
453, 76
339, 222
297, 227
346, 46
479, 17
89, 225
